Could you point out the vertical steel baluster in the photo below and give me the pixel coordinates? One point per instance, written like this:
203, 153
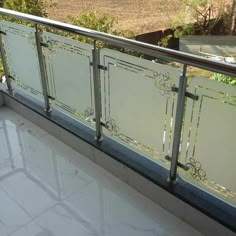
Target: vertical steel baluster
178, 124
97, 93
38, 38
4, 63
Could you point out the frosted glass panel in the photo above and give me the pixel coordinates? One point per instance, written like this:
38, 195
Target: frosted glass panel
70, 75
138, 104
22, 59
209, 136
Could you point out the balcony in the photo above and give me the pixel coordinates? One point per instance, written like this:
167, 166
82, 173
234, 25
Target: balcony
70, 108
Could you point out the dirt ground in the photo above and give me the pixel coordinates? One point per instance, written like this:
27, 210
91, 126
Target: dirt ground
138, 16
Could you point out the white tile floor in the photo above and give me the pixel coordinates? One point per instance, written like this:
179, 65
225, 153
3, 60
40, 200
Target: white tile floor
48, 189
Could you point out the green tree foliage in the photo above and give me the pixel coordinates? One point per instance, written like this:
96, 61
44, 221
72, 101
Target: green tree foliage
99, 22
92, 20
224, 79
33, 7
103, 23
205, 15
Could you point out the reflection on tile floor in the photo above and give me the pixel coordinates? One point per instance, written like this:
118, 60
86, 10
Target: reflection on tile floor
48, 189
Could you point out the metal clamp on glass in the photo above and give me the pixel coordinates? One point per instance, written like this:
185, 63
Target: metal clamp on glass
187, 94
184, 167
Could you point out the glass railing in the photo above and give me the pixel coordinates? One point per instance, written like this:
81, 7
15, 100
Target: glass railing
69, 76
184, 123
208, 145
22, 59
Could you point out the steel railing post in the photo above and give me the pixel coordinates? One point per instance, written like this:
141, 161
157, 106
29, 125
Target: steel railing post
178, 125
4, 63
42, 67
97, 93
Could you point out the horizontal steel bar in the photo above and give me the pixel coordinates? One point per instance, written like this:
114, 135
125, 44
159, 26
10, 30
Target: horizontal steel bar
144, 48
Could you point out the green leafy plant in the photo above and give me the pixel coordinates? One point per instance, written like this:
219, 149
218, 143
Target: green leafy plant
93, 20
99, 22
165, 41
205, 15
1, 69
186, 29
224, 79
33, 7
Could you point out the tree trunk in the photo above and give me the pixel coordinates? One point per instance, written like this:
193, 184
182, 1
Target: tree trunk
233, 18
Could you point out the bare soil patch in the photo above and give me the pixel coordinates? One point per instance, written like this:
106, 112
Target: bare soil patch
138, 16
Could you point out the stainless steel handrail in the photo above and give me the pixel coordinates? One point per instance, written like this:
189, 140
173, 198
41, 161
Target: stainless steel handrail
185, 58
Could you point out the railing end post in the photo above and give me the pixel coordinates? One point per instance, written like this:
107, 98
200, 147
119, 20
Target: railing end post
172, 181
97, 94
48, 110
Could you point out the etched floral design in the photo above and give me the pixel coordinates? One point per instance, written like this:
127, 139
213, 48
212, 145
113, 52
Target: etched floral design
112, 127
52, 45
164, 83
88, 112
195, 170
